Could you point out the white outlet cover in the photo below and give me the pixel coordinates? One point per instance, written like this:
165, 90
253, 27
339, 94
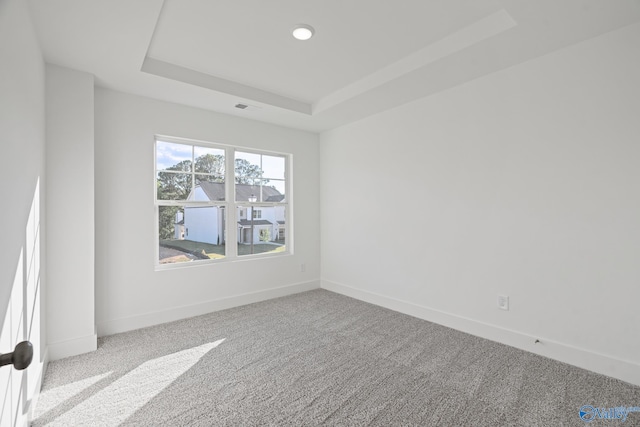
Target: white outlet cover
503, 302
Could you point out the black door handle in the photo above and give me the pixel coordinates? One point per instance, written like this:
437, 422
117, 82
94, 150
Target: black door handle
20, 358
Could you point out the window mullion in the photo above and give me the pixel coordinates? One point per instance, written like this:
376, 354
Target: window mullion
232, 211
288, 191
193, 168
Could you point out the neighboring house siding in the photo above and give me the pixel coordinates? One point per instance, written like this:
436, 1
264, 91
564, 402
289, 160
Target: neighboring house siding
178, 226
202, 225
178, 231
273, 215
278, 214
198, 195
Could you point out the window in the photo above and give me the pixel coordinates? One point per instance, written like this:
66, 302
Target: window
260, 179
198, 221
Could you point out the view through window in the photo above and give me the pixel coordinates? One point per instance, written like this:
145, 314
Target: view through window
198, 221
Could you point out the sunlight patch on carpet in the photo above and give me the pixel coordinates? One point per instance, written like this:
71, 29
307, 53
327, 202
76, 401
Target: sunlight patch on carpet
49, 399
121, 399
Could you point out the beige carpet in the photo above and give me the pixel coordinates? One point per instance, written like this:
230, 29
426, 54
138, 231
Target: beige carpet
318, 358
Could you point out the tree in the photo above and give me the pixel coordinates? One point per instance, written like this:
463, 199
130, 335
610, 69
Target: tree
210, 164
246, 173
175, 186
166, 221
265, 235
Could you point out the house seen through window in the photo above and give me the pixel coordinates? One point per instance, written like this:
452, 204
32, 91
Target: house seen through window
218, 202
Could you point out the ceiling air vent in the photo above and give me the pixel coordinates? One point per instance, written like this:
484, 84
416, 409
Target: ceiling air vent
241, 106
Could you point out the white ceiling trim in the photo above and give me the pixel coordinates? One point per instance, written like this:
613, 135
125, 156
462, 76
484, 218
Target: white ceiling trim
207, 81
468, 36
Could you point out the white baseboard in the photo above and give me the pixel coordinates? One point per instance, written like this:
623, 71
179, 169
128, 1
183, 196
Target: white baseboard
116, 326
603, 364
72, 347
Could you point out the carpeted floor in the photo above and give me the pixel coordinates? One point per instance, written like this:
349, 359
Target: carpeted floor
318, 358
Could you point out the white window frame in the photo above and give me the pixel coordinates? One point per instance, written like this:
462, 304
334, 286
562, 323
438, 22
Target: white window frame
230, 203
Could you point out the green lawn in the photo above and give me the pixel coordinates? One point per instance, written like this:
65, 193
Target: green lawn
218, 251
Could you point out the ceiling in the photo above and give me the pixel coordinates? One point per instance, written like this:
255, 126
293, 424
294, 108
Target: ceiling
366, 56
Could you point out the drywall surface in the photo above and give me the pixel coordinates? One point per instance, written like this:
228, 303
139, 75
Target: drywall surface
22, 255
130, 293
523, 183
70, 195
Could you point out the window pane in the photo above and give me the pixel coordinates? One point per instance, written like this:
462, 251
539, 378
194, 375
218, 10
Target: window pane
248, 167
247, 192
262, 234
173, 186
273, 167
191, 233
273, 191
259, 175
170, 156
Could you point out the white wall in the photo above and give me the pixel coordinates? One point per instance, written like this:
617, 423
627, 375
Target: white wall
129, 292
70, 195
526, 184
22, 262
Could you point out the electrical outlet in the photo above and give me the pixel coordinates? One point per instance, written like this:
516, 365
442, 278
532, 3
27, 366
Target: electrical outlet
303, 268
503, 302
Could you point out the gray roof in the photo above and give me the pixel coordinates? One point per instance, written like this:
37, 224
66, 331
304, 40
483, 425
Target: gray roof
247, 222
275, 198
215, 192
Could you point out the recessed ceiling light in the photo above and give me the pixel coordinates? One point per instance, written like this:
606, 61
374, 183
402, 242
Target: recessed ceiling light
303, 32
